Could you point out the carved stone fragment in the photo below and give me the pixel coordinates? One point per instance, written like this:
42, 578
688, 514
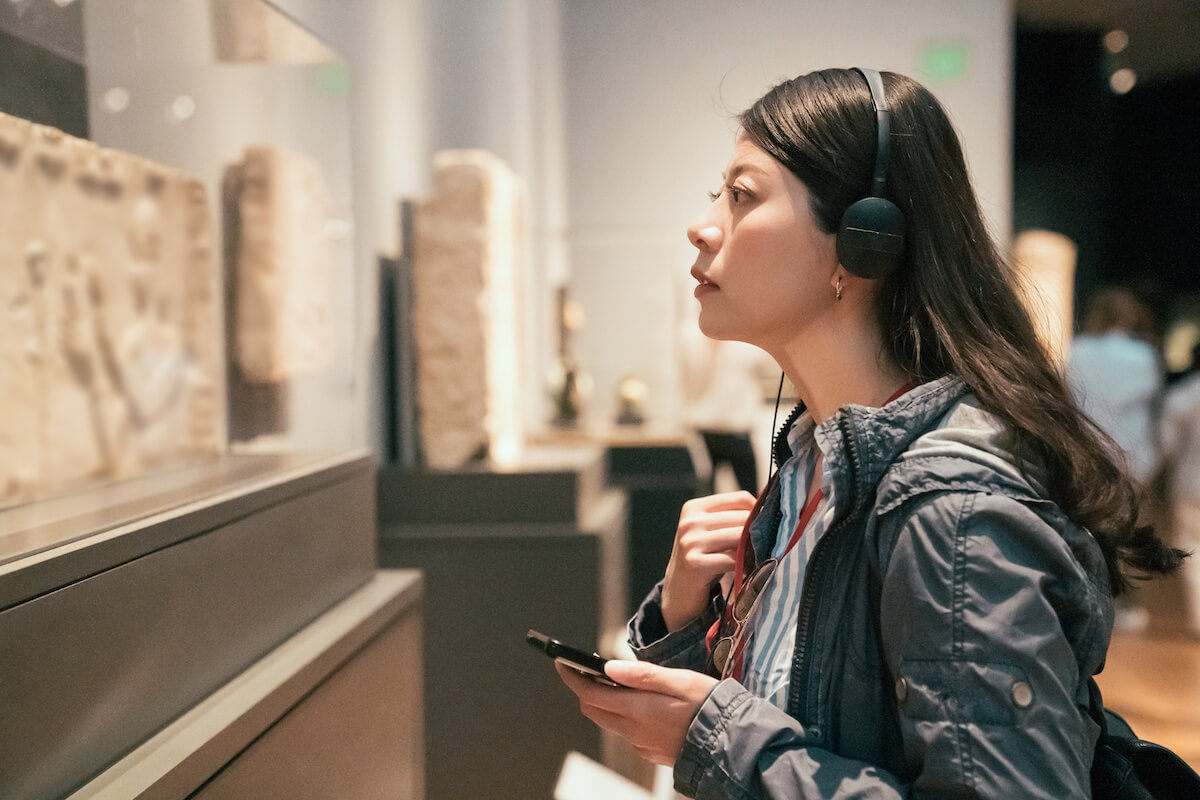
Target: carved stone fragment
109, 340
285, 318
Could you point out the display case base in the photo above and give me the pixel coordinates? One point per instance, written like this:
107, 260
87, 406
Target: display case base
334, 711
126, 605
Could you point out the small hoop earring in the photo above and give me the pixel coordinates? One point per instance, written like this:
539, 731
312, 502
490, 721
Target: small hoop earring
837, 289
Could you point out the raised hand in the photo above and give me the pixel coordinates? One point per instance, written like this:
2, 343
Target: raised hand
705, 547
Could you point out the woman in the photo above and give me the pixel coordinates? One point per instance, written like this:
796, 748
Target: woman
946, 528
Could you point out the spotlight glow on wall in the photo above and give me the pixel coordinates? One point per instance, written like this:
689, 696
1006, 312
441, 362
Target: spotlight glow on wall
180, 109
116, 99
1122, 80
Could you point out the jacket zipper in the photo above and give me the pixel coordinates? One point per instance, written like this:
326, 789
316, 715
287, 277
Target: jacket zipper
808, 595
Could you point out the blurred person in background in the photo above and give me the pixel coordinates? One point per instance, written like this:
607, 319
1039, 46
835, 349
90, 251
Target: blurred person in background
1115, 373
1180, 445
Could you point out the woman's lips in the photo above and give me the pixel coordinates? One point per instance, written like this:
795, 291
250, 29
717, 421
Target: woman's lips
706, 286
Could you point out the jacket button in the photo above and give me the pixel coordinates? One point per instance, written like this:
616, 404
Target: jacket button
1022, 694
902, 689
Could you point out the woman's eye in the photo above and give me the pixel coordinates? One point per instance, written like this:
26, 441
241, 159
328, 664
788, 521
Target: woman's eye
735, 194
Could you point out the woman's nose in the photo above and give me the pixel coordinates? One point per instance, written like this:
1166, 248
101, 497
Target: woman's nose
704, 235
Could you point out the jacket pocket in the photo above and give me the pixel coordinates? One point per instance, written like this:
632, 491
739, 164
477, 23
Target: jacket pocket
963, 692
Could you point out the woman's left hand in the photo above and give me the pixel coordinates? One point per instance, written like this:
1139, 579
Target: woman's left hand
651, 709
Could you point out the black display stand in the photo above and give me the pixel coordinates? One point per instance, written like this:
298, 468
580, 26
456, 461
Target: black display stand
659, 477
502, 551
192, 628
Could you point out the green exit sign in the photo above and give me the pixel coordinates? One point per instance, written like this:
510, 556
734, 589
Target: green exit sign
944, 61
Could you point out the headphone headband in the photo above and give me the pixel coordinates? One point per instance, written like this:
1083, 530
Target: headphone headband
883, 128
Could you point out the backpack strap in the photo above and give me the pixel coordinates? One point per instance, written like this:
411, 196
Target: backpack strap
1096, 705
1111, 723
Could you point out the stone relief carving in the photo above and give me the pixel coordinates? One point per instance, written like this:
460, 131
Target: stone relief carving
110, 350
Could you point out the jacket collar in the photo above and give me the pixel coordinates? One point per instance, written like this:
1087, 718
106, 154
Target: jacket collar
868, 440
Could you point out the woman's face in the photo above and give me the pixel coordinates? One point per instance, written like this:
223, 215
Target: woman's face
765, 268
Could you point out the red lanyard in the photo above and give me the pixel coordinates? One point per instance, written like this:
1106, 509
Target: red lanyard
742, 567
810, 506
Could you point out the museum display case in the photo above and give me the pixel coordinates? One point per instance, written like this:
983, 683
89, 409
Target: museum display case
176, 242
188, 581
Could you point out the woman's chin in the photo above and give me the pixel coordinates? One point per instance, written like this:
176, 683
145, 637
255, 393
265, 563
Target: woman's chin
716, 326
709, 328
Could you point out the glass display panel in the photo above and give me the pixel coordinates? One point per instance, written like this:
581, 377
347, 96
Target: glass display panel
175, 240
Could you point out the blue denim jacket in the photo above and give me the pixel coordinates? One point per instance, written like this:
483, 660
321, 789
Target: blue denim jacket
950, 619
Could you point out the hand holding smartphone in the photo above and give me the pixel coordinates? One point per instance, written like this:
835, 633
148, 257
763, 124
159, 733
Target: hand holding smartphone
588, 664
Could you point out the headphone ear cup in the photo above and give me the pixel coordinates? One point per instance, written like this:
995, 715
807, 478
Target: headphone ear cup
870, 241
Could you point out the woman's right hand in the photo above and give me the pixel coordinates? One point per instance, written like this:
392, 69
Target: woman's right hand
705, 550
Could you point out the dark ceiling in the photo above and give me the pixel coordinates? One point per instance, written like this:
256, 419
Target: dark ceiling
1164, 35
1114, 172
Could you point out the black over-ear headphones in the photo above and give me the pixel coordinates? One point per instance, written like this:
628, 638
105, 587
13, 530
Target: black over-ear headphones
870, 241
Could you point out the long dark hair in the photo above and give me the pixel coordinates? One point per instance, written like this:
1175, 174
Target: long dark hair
952, 308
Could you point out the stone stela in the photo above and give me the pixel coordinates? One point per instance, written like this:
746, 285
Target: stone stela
466, 317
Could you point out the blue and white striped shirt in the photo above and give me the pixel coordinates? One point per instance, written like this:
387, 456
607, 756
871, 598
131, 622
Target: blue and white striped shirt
771, 629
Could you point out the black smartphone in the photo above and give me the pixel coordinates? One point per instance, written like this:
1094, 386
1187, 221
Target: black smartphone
583, 662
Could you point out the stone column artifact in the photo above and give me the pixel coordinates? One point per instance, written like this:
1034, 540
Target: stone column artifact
1046, 262
466, 313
